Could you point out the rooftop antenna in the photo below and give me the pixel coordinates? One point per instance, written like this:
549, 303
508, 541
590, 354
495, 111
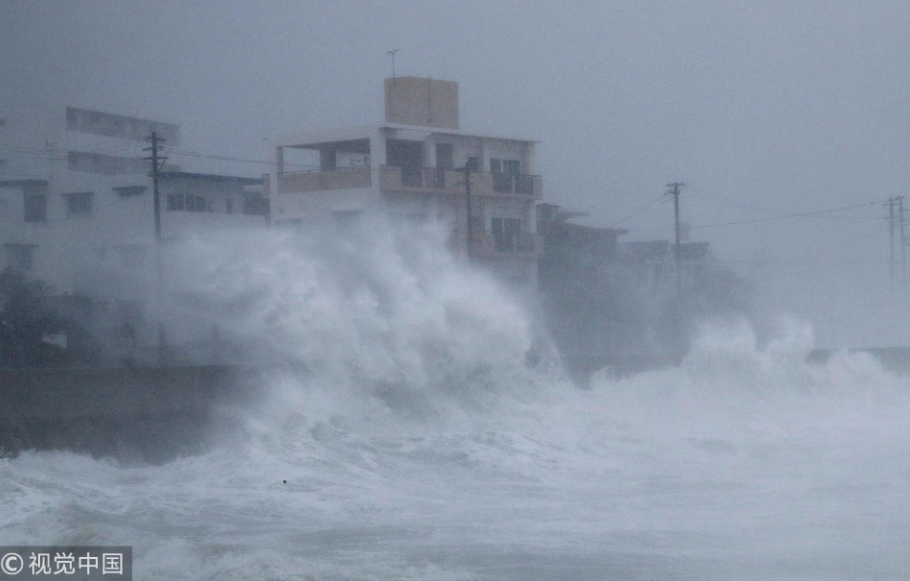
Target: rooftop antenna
392, 53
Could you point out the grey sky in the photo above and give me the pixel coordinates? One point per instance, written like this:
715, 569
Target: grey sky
779, 104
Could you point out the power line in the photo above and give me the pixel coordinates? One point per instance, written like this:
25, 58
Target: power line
656, 201
237, 159
788, 216
807, 264
51, 156
781, 213
777, 218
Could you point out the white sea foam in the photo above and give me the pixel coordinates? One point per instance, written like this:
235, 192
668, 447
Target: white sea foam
421, 447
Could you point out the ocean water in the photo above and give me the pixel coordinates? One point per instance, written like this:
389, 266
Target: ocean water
423, 447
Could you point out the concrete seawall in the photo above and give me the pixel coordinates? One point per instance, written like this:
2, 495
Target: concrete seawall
147, 414
152, 414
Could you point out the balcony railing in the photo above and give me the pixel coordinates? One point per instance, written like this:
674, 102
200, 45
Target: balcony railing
316, 180
424, 178
451, 180
411, 178
505, 183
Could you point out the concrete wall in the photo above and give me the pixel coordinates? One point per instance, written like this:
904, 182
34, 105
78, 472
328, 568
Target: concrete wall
147, 414
316, 206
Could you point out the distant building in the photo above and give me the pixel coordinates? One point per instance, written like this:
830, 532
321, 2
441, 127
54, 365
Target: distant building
572, 250
651, 265
76, 208
407, 168
605, 300
645, 264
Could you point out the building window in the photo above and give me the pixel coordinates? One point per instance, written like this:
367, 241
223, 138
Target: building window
445, 157
104, 164
504, 170
79, 204
175, 202
35, 208
20, 257
186, 203
255, 205
130, 191
506, 232
195, 203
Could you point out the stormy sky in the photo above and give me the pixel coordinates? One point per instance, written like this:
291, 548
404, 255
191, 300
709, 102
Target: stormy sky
764, 108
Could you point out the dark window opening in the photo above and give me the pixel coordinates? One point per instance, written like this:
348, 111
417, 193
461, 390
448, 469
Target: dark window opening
186, 203
255, 205
505, 172
129, 191
20, 257
445, 157
79, 204
35, 208
175, 202
506, 232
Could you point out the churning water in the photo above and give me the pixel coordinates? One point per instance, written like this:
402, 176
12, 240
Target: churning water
423, 448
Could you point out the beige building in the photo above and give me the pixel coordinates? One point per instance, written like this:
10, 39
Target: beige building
410, 169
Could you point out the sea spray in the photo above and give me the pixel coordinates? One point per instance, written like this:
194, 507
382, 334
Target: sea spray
418, 445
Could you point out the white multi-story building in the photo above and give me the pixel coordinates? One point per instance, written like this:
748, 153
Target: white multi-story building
76, 208
408, 168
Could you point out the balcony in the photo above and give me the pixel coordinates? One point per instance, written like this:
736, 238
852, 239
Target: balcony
525, 244
504, 183
452, 181
423, 179
417, 178
316, 181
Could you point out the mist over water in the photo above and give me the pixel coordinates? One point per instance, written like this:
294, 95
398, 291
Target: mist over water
420, 445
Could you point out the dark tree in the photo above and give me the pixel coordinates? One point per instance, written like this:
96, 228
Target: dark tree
28, 325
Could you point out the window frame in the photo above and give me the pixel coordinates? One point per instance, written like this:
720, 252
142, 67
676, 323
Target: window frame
74, 199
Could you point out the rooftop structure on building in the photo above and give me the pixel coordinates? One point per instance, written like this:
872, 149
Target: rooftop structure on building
409, 169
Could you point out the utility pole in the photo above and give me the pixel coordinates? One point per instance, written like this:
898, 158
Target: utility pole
467, 169
157, 163
677, 186
392, 54
900, 210
891, 203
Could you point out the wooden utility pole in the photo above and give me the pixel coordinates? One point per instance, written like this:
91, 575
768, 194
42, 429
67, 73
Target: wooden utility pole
467, 169
392, 54
676, 187
157, 163
891, 202
900, 213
